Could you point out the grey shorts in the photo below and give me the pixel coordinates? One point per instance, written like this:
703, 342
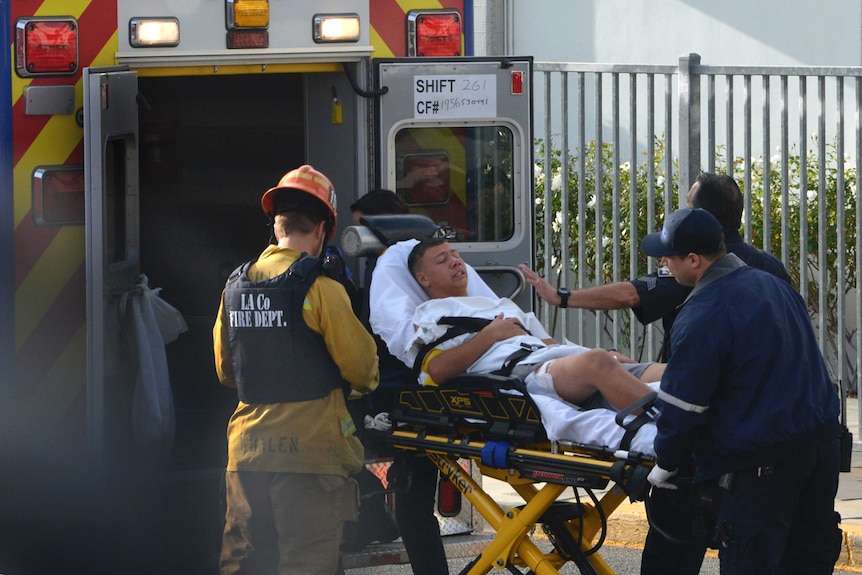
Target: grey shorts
522, 370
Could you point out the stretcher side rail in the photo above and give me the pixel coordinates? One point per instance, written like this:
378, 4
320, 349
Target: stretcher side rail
497, 406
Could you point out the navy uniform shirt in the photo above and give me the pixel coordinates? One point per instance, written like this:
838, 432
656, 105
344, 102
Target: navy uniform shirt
746, 384
661, 295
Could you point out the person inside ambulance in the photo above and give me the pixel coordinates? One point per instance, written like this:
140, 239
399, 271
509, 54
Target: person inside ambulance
414, 478
287, 339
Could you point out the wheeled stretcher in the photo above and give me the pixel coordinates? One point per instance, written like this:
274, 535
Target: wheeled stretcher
539, 445
491, 421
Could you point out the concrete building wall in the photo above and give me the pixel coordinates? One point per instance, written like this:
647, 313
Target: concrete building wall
732, 32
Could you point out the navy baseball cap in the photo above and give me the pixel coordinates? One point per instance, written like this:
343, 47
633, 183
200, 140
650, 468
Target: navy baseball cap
686, 231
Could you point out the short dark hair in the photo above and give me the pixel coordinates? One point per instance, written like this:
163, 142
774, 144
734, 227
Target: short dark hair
380, 201
719, 195
298, 211
419, 250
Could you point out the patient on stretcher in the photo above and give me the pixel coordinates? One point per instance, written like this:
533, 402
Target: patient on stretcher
565, 381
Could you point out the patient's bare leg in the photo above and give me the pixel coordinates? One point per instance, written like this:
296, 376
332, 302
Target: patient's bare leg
577, 377
653, 372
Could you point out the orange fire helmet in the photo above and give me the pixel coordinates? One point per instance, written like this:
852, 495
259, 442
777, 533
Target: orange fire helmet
306, 179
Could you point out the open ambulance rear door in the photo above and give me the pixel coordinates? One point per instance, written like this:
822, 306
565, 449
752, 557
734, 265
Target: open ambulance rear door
454, 140
112, 254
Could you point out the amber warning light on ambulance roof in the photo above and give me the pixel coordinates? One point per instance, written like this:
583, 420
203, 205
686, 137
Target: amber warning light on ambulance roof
247, 14
247, 22
46, 46
433, 33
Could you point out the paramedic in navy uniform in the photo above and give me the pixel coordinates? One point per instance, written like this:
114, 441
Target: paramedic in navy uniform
746, 395
291, 442
658, 295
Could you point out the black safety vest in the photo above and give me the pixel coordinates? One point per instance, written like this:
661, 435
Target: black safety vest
277, 358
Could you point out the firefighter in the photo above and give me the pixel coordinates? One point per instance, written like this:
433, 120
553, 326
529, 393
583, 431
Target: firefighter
287, 339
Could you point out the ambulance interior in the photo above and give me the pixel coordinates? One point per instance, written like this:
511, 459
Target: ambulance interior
209, 147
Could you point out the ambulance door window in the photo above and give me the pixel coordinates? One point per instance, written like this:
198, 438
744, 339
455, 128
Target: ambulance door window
460, 177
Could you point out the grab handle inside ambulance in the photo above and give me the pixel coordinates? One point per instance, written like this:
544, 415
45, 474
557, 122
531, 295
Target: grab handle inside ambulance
500, 270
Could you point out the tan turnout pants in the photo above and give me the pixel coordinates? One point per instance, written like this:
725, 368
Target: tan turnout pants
284, 523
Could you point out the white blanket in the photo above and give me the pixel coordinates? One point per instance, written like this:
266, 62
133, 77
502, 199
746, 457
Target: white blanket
394, 298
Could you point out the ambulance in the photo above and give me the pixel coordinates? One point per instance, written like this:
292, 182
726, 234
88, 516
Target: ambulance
136, 139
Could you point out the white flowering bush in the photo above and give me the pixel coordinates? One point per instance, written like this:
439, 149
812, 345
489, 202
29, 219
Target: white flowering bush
599, 241
596, 195
805, 216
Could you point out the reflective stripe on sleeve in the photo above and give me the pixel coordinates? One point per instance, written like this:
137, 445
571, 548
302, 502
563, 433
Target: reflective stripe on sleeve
683, 405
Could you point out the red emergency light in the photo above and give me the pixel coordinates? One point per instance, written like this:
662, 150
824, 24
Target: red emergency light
434, 33
46, 46
58, 195
448, 498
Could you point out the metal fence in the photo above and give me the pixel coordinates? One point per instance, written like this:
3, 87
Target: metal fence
619, 145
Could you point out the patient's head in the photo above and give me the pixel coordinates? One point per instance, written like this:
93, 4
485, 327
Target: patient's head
438, 268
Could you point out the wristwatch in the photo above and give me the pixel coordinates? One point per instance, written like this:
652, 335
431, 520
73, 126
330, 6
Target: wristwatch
564, 297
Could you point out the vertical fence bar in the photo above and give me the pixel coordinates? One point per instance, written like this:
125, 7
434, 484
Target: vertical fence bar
548, 214
582, 195
803, 187
821, 209
633, 205
841, 259
689, 122
564, 194
598, 191
746, 145
615, 207
651, 193
710, 124
729, 124
858, 165
785, 175
668, 150
767, 176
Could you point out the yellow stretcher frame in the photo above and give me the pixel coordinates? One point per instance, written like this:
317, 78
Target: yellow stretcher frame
556, 466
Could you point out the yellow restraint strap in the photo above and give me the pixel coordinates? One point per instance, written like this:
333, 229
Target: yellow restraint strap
428, 357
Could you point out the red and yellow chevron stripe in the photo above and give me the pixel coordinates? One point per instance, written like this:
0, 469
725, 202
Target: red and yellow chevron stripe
50, 307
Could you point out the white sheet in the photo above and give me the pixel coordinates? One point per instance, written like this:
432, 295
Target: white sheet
154, 323
394, 297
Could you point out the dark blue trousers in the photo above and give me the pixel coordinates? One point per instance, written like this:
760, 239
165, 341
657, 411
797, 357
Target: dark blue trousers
414, 512
782, 519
